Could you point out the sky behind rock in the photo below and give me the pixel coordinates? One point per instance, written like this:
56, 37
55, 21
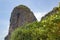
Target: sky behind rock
39, 8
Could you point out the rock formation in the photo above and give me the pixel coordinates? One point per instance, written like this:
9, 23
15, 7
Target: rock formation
19, 16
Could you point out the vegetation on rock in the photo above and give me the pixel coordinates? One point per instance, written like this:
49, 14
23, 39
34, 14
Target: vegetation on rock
47, 29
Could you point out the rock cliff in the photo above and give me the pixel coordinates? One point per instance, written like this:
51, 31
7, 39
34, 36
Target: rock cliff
19, 16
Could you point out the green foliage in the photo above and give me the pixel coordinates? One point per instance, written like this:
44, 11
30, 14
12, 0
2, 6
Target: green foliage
46, 29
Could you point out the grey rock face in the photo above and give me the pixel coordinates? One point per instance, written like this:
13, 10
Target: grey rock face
19, 16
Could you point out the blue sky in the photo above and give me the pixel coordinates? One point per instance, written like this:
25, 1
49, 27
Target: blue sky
39, 7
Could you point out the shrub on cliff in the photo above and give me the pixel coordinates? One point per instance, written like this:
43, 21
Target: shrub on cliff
36, 31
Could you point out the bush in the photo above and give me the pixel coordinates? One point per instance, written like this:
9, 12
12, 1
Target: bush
35, 32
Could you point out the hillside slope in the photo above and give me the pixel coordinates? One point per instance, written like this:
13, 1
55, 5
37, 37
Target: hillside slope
47, 29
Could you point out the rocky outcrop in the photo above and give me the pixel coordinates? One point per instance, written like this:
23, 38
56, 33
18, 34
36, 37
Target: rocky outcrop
19, 16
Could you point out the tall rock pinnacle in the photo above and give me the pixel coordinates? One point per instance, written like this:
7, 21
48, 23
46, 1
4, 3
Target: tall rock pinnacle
19, 16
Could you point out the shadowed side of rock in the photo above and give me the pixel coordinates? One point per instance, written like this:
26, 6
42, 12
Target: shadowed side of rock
19, 16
